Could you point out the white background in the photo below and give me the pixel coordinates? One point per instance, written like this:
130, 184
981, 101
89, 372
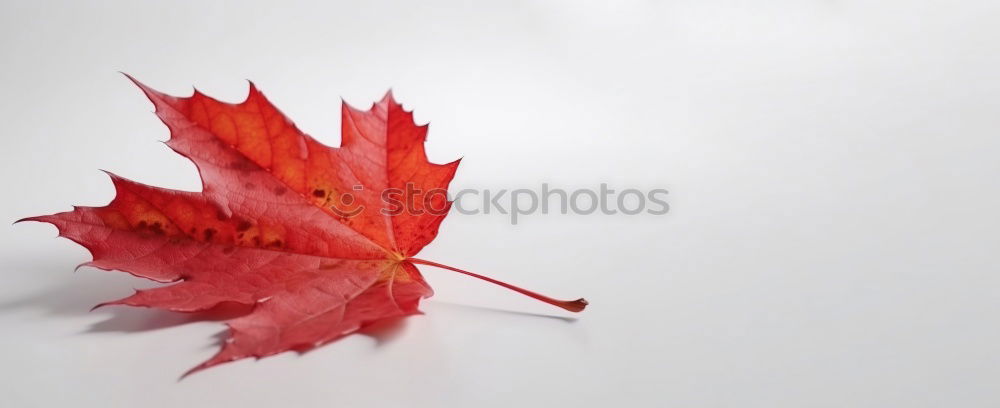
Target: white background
832, 167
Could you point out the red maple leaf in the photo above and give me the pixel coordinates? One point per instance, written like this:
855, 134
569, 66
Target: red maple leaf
300, 231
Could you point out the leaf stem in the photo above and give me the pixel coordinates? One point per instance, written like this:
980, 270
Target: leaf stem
571, 305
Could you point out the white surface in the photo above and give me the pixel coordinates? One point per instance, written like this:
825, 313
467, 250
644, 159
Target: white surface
832, 167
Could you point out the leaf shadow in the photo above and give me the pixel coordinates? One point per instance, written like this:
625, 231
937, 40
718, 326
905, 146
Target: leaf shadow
75, 294
135, 319
486, 309
78, 293
71, 295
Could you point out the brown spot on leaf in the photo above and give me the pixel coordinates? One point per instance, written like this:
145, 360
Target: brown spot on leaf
243, 225
319, 193
209, 233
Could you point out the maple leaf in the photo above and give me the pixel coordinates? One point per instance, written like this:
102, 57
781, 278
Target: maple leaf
298, 230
